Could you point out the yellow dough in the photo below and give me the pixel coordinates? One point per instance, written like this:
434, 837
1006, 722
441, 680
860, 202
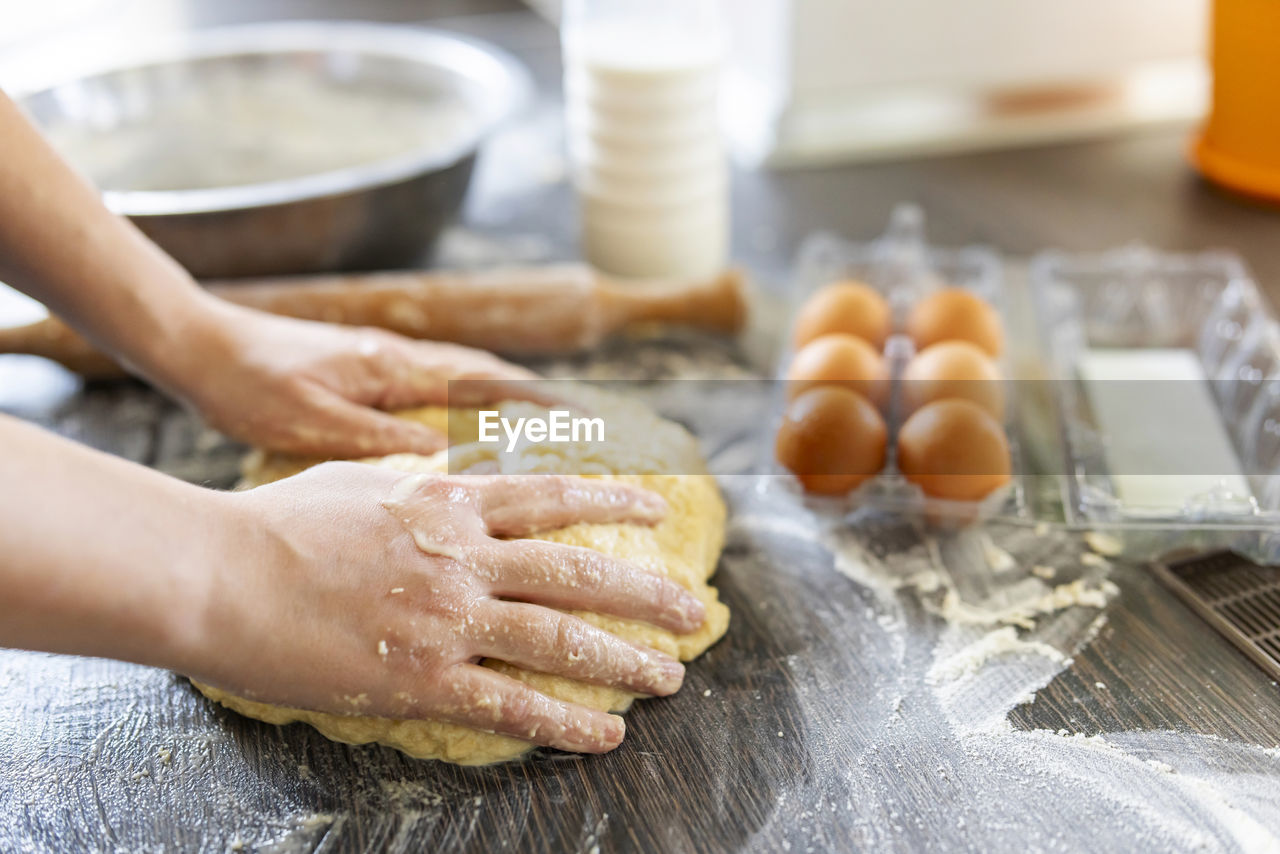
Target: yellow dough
685, 546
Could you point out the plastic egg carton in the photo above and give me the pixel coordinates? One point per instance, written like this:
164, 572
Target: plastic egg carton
1206, 303
1128, 298
903, 267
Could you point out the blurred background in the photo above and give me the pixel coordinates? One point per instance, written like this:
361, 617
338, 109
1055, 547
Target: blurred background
813, 80
1024, 124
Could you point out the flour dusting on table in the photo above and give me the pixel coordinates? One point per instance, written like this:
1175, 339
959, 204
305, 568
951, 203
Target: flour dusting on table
999, 634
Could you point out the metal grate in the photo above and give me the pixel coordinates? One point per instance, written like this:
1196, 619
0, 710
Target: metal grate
1240, 598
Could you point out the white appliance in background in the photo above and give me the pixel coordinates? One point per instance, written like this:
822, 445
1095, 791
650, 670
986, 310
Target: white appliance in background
59, 37
20, 22
824, 80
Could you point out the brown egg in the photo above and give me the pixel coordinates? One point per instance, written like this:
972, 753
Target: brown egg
849, 307
832, 439
953, 369
842, 360
954, 449
954, 314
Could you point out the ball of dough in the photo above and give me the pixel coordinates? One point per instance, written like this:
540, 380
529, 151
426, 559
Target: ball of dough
849, 307
843, 360
643, 449
954, 449
832, 439
952, 314
953, 369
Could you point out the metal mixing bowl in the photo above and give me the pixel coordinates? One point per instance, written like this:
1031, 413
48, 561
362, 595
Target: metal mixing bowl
285, 147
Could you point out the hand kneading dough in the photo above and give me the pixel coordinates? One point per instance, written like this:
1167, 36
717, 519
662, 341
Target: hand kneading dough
685, 546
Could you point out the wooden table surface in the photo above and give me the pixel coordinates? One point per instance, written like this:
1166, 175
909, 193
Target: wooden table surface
820, 722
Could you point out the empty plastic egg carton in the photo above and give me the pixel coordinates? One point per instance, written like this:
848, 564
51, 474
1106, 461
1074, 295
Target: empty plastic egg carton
1188, 342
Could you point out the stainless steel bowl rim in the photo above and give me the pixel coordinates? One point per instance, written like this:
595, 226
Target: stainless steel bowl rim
498, 72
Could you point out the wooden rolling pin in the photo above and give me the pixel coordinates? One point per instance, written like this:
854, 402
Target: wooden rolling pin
516, 311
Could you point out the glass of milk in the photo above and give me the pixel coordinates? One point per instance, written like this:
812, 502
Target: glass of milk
641, 81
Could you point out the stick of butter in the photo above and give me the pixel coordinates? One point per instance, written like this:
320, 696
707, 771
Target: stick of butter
1166, 445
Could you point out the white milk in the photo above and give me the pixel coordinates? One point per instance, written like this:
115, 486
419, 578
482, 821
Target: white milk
641, 81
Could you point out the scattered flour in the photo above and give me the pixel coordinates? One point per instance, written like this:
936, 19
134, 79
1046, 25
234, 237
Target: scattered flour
976, 655
998, 559
998, 639
1107, 545
1020, 611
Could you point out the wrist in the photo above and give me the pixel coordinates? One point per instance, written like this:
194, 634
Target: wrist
183, 344
85, 580
223, 542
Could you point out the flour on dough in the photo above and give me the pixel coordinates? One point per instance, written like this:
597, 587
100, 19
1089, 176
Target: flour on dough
685, 546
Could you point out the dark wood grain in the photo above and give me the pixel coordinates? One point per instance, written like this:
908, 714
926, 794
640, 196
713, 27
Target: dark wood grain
1161, 667
812, 725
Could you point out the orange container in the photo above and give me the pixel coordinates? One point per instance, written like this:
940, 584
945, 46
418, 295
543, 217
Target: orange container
1239, 146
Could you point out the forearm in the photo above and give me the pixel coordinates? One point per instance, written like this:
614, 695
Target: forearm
59, 244
101, 556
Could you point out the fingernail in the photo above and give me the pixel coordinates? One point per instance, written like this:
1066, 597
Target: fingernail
653, 504
427, 442
692, 612
669, 675
422, 441
602, 734
615, 730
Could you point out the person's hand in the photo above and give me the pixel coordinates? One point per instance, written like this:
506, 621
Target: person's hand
302, 387
376, 592
289, 385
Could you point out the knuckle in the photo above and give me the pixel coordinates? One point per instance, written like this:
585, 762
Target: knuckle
599, 571
489, 562
374, 343
556, 487
526, 555
518, 705
444, 692
465, 489
571, 639
664, 594
563, 719
299, 388
433, 486
431, 660
453, 491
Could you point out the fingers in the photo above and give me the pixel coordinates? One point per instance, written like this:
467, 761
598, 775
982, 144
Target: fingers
451, 375
481, 388
341, 428
484, 699
567, 576
548, 641
582, 579
518, 505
